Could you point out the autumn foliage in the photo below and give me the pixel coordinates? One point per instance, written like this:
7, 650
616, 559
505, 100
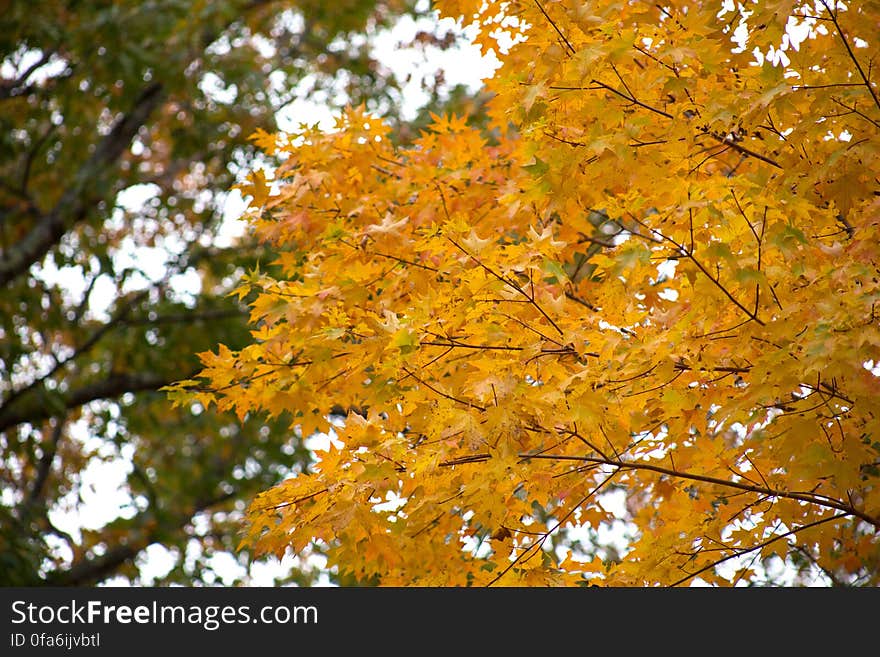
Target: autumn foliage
657, 275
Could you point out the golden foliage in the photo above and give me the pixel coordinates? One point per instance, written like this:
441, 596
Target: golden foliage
659, 274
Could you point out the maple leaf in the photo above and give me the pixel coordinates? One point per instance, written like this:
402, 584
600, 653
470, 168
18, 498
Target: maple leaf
388, 226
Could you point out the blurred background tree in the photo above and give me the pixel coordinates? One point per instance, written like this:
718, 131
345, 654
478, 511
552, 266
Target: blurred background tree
123, 125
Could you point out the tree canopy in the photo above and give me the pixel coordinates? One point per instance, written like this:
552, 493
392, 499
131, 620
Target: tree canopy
654, 278
105, 298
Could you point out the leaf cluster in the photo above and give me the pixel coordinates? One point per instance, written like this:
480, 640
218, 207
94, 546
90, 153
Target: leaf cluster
660, 280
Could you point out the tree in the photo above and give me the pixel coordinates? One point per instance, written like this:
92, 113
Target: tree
105, 299
657, 275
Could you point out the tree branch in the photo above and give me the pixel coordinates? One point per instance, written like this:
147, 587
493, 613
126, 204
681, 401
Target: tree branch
810, 498
12, 88
90, 342
727, 141
185, 318
759, 546
113, 386
567, 43
73, 202
851, 54
45, 464
89, 571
